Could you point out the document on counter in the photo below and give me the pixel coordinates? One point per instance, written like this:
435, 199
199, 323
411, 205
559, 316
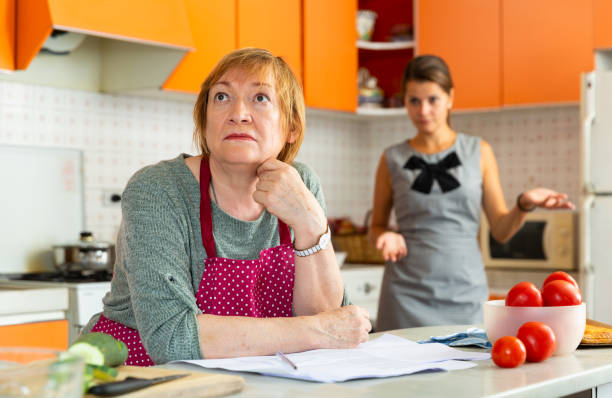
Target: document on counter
385, 356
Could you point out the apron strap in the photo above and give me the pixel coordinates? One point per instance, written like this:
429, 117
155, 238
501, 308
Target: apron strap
206, 224
283, 233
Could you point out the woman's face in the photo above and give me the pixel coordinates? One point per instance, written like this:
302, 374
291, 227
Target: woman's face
428, 105
243, 120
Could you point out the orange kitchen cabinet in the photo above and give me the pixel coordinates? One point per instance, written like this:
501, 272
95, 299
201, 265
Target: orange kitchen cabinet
51, 334
466, 34
219, 27
275, 25
213, 27
330, 54
602, 15
162, 22
7, 34
546, 45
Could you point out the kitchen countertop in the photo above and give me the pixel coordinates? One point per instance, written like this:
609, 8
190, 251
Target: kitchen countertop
557, 376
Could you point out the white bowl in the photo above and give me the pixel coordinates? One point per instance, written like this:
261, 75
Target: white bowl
567, 322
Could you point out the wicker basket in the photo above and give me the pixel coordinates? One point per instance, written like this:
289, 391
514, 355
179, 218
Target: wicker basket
358, 247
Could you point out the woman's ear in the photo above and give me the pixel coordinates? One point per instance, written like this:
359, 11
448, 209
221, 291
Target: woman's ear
451, 97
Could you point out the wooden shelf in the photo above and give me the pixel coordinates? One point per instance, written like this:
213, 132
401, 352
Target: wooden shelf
384, 46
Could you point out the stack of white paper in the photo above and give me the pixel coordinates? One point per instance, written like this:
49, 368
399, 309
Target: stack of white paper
385, 356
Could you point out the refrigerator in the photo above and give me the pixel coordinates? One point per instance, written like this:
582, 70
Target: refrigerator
595, 226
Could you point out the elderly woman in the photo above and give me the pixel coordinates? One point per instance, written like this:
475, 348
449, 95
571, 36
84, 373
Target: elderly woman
227, 253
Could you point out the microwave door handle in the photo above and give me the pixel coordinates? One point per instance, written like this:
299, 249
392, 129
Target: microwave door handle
585, 152
547, 240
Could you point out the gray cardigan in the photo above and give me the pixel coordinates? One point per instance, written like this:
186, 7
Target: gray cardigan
160, 256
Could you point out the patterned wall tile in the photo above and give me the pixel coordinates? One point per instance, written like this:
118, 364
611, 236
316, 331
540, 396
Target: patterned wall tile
120, 134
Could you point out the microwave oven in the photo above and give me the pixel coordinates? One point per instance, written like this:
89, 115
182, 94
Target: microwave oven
547, 240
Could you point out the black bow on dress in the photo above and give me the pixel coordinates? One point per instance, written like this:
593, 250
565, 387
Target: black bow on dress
434, 171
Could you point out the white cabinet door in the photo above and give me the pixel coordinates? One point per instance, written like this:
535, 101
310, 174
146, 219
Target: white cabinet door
600, 159
600, 264
363, 286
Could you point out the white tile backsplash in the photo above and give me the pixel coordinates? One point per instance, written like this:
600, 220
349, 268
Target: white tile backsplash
120, 134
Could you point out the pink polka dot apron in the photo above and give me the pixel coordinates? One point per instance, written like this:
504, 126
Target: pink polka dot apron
259, 288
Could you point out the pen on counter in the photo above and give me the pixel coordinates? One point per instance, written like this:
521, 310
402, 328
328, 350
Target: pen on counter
286, 360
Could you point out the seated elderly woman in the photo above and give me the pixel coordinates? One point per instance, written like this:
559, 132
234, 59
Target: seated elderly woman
227, 253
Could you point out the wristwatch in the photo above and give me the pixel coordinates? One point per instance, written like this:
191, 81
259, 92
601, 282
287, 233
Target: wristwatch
322, 244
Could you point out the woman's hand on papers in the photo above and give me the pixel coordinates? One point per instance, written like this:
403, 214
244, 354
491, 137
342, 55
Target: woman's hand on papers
344, 327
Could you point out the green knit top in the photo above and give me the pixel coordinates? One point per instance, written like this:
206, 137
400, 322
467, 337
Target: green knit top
160, 256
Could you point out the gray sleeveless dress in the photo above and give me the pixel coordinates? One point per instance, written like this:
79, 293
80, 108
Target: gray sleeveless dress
441, 281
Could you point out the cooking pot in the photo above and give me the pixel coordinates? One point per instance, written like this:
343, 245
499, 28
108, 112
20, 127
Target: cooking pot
86, 254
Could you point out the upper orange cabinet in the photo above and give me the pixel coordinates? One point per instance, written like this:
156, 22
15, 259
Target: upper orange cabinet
510, 52
275, 25
602, 13
7, 34
466, 34
547, 44
219, 27
330, 54
213, 26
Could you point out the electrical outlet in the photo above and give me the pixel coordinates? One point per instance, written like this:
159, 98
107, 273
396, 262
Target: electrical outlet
111, 197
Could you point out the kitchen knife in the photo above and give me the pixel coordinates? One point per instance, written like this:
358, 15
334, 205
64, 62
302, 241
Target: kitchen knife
130, 384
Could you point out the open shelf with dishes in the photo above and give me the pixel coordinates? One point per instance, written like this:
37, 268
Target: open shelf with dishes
383, 55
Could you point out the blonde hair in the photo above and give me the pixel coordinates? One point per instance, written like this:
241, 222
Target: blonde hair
288, 92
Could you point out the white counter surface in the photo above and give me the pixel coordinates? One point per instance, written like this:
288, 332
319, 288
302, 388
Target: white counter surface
557, 376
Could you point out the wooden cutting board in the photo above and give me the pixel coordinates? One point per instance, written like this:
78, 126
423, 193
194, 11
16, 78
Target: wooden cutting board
596, 333
197, 384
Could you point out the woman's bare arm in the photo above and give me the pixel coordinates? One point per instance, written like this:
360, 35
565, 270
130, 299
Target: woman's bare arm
505, 223
234, 336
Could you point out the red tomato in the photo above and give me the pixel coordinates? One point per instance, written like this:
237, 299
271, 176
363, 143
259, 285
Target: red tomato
524, 294
560, 275
508, 352
560, 293
539, 340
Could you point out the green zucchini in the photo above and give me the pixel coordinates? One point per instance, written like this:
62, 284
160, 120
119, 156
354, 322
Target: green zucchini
88, 378
100, 349
103, 373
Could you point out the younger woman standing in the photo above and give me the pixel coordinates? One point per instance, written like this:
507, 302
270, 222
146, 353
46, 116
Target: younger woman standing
437, 183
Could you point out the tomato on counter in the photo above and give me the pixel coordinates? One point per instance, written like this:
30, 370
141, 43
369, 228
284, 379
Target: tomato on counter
524, 294
539, 340
508, 352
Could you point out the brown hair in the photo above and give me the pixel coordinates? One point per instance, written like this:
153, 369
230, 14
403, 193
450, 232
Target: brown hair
428, 68
288, 92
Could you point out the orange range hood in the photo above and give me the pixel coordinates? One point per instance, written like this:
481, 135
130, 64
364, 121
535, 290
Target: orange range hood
140, 37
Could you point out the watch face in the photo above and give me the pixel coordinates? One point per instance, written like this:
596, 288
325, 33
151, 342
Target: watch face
325, 239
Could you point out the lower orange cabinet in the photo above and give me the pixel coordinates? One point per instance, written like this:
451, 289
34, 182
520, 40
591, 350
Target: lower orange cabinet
50, 334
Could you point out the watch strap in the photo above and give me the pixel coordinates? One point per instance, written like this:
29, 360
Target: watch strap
321, 244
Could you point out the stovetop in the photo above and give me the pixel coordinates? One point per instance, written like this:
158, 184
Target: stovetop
65, 277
